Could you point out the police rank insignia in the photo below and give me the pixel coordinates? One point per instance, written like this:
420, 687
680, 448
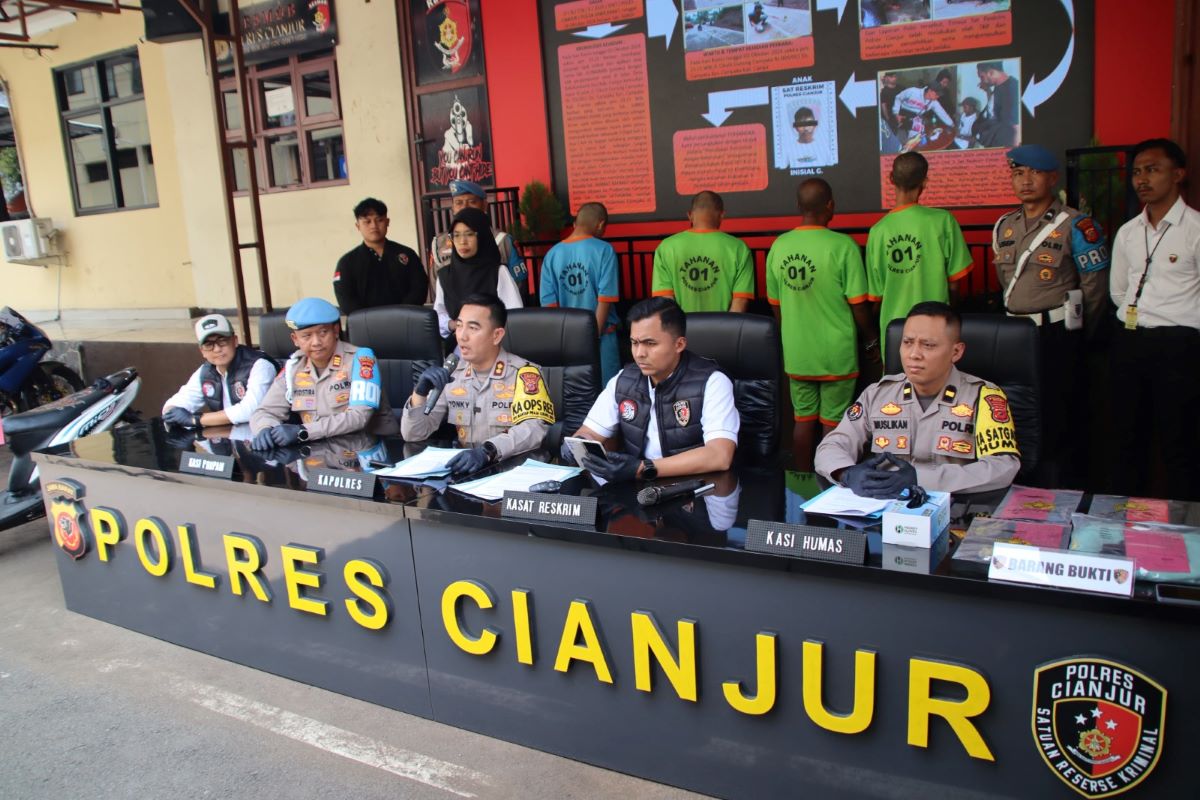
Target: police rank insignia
683, 412
1098, 724
68, 520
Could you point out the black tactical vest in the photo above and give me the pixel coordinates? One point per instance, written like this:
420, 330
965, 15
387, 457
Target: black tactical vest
678, 404
212, 387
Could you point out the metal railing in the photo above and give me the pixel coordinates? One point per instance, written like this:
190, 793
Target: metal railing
1098, 184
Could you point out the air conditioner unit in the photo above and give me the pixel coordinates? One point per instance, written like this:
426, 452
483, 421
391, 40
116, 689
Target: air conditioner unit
28, 240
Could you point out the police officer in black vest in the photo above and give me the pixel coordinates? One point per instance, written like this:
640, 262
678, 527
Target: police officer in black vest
227, 388
669, 413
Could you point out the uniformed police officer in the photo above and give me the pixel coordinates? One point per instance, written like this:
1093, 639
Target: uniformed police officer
939, 428
332, 387
1052, 262
497, 401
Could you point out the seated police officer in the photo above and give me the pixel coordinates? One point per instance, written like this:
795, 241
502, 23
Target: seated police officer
672, 410
497, 401
330, 386
931, 425
228, 387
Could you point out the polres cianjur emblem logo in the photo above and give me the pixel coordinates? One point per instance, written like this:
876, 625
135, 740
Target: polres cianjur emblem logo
68, 517
1098, 724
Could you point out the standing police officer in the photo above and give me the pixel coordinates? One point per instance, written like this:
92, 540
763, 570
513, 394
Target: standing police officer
331, 386
1052, 262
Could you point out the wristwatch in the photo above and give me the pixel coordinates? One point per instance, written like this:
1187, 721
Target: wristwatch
303, 435
649, 471
196, 423
492, 453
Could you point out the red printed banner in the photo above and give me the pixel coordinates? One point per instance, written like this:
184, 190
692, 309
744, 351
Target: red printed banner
729, 159
606, 124
750, 59
958, 178
936, 36
584, 13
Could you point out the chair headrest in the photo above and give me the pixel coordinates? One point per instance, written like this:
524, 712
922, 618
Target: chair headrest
746, 346
397, 332
552, 337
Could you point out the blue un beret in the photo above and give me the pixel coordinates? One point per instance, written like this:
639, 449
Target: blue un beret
1034, 156
311, 311
467, 187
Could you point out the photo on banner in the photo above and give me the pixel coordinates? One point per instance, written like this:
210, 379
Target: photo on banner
964, 106
805, 125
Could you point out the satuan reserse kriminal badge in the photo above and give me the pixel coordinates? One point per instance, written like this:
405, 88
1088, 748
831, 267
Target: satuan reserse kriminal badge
1097, 723
68, 520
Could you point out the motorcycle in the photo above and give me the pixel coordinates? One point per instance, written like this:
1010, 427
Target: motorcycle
92, 410
26, 381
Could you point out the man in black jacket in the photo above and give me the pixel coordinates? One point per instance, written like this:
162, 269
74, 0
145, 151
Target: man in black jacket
227, 387
379, 272
670, 412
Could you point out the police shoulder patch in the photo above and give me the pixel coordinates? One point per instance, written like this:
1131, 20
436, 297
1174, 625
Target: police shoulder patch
532, 400
995, 433
855, 411
365, 387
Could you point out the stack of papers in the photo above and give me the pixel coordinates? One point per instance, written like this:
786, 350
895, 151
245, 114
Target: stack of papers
429, 463
839, 501
520, 479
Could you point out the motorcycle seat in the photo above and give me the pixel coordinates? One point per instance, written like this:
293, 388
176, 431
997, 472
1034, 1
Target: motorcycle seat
28, 430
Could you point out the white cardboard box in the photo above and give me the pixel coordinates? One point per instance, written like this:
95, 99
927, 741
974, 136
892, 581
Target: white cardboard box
917, 527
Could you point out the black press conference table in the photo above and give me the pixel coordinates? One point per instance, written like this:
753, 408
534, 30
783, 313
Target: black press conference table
652, 642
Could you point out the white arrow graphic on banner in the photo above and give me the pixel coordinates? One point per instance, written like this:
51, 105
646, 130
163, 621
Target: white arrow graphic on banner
858, 94
599, 31
719, 103
661, 16
830, 5
1037, 92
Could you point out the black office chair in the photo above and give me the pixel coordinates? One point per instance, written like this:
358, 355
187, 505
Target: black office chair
562, 341
405, 340
1003, 350
274, 336
747, 347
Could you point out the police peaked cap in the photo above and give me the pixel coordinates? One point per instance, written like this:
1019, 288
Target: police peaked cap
1034, 156
312, 311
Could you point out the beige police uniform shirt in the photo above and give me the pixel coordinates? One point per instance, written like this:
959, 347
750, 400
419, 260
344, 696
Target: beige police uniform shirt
508, 406
1072, 255
963, 442
322, 399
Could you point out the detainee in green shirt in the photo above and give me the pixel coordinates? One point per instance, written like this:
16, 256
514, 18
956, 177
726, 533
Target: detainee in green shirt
915, 253
817, 287
703, 268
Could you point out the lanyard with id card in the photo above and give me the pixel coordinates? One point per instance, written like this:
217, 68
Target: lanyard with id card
1131, 312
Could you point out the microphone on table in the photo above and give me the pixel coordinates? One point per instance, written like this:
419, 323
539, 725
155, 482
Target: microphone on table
658, 494
449, 364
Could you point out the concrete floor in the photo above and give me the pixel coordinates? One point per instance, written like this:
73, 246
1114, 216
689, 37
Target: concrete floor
92, 710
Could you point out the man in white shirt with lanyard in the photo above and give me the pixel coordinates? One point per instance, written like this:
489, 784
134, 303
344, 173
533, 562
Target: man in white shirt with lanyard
1155, 284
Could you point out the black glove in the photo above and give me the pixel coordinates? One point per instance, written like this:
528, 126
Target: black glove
263, 440
285, 434
616, 467
854, 477
179, 416
468, 461
565, 456
432, 378
887, 484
